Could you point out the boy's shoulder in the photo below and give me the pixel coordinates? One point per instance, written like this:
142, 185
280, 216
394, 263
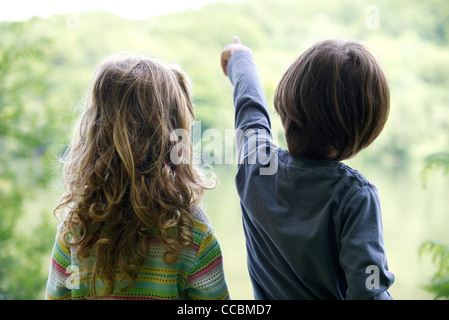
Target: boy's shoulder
324, 168
354, 174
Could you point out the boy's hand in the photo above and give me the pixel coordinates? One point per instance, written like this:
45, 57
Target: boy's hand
229, 50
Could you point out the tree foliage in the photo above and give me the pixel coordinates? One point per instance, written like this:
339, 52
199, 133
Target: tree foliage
25, 137
433, 162
439, 283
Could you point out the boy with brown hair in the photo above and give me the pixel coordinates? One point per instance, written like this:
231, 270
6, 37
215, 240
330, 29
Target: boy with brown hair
313, 226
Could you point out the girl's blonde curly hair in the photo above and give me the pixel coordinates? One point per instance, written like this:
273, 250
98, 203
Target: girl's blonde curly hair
121, 183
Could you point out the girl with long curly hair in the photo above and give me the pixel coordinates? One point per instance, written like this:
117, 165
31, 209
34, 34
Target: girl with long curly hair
131, 225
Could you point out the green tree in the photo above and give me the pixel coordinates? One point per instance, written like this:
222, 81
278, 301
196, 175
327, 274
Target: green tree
25, 137
439, 283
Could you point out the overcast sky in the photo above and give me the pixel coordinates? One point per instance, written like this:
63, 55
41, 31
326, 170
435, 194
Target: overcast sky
14, 10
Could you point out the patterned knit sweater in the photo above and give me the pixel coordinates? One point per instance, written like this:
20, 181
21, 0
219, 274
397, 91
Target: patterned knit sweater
197, 274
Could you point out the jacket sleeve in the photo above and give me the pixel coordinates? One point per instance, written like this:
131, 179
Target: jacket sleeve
254, 141
206, 280
362, 254
249, 99
59, 275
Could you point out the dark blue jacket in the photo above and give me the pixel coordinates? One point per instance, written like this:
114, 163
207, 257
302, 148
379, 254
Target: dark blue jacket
313, 228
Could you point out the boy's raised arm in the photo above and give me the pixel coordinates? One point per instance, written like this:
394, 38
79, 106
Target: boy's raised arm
229, 50
254, 142
249, 98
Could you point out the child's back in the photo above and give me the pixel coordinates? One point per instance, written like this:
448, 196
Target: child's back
313, 231
312, 224
197, 273
133, 228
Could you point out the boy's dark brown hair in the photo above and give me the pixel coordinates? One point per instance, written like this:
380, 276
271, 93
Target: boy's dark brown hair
333, 101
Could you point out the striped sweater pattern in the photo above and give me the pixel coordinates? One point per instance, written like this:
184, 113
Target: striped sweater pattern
198, 274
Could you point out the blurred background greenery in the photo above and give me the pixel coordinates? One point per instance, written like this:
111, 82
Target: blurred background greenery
45, 69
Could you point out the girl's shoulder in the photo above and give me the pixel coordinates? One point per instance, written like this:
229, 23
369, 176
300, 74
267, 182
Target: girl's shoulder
201, 222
